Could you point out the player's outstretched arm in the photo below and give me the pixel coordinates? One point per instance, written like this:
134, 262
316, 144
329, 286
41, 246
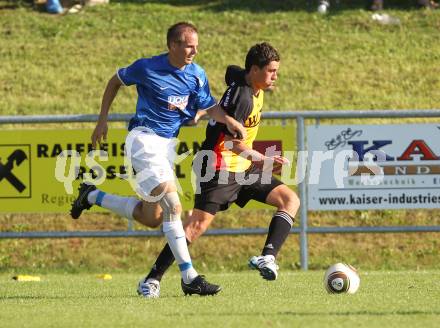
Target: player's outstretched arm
240, 148
197, 118
111, 90
235, 127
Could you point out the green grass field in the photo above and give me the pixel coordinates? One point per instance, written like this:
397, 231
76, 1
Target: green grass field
60, 64
385, 299
345, 60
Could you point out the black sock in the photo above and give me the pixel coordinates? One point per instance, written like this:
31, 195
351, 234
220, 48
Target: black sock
279, 229
163, 262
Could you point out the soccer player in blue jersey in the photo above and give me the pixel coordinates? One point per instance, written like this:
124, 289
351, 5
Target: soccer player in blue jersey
171, 90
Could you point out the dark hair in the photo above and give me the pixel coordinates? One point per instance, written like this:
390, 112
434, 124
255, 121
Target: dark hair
261, 55
176, 31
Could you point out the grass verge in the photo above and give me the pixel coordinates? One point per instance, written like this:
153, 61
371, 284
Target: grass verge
404, 299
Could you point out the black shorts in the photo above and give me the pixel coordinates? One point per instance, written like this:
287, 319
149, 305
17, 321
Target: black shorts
223, 190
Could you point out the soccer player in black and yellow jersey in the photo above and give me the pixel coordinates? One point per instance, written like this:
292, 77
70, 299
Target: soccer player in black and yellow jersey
229, 171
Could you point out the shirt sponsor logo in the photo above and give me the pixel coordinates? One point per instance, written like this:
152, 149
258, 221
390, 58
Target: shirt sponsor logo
253, 121
177, 102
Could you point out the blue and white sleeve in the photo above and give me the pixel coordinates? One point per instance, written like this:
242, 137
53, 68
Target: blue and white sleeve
204, 98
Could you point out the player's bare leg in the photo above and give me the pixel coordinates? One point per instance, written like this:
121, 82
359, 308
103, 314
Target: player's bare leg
148, 214
284, 199
197, 223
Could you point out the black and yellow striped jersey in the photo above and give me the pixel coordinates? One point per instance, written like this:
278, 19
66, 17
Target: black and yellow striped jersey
239, 102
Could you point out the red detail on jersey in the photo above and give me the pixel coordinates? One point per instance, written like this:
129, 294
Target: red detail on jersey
219, 163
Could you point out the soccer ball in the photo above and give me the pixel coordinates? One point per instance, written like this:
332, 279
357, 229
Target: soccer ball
341, 278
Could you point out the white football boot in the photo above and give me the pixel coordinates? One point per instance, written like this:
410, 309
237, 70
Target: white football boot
266, 265
149, 288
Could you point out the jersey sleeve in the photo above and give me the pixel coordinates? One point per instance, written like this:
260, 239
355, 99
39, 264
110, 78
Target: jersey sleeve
133, 74
204, 99
237, 103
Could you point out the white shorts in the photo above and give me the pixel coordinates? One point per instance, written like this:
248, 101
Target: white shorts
152, 157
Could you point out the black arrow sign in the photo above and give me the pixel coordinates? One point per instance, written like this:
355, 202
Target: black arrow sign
18, 156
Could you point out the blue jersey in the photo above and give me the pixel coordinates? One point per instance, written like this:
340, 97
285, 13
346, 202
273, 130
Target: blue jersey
167, 96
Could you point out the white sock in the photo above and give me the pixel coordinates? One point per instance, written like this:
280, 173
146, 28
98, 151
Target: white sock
91, 197
176, 239
123, 206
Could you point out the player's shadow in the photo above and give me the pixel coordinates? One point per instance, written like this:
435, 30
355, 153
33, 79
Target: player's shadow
269, 6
